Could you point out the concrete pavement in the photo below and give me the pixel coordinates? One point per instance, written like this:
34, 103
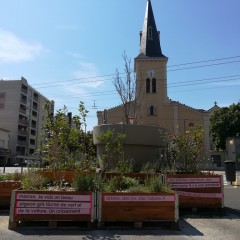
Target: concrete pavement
194, 227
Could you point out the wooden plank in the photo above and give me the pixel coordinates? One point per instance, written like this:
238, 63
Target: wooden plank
138, 214
52, 218
199, 202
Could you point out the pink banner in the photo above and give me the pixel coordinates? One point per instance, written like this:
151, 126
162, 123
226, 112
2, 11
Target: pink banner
46, 211
204, 195
114, 198
41, 204
196, 185
53, 197
58, 204
193, 180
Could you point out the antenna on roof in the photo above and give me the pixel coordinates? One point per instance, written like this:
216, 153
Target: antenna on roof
94, 104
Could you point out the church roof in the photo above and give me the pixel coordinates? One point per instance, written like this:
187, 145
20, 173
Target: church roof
149, 37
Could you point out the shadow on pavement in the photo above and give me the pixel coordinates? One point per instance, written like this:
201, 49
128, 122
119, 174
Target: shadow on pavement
232, 211
114, 234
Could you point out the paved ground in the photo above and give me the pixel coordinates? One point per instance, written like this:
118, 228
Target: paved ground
192, 227
196, 227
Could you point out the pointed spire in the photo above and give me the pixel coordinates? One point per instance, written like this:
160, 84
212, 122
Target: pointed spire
149, 37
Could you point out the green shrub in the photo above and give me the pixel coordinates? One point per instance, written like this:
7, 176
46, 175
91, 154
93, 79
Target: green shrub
154, 184
84, 183
33, 180
119, 183
11, 176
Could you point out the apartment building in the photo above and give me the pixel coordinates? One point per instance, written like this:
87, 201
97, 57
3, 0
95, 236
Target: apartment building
22, 113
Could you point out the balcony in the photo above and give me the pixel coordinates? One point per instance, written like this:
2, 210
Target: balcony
23, 132
35, 98
21, 143
22, 110
24, 100
23, 122
24, 90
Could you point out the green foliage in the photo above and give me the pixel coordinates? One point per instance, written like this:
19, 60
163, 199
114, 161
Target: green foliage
122, 183
119, 183
224, 123
32, 180
84, 183
11, 177
150, 167
154, 184
65, 144
113, 156
124, 166
184, 151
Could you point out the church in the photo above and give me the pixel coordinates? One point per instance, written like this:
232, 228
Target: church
156, 109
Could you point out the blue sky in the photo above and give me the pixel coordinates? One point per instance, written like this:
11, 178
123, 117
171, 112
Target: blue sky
69, 49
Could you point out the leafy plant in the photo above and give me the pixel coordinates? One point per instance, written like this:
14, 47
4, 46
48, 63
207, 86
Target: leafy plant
150, 167
113, 154
183, 152
11, 176
154, 184
122, 183
224, 123
33, 180
119, 183
84, 183
66, 141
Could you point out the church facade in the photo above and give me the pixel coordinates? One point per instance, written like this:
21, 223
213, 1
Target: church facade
155, 107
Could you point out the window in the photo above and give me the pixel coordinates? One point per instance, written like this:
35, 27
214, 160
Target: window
33, 132
152, 110
151, 85
154, 85
148, 85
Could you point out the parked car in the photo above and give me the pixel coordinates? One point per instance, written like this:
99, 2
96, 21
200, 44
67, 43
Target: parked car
24, 163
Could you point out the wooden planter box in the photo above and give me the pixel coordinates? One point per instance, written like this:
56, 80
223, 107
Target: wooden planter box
197, 191
138, 207
51, 206
6, 188
53, 176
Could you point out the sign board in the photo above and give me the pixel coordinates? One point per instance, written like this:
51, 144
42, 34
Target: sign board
54, 204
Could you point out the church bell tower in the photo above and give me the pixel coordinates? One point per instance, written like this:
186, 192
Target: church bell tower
150, 66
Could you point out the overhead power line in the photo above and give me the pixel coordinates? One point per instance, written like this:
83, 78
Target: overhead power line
95, 78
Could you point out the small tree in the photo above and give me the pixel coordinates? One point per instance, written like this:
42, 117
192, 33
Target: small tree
126, 88
184, 152
64, 144
224, 123
113, 155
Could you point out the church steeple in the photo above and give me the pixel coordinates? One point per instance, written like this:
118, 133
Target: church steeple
149, 37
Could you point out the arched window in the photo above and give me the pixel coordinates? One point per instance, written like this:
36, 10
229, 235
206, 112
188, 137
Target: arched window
148, 85
154, 87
